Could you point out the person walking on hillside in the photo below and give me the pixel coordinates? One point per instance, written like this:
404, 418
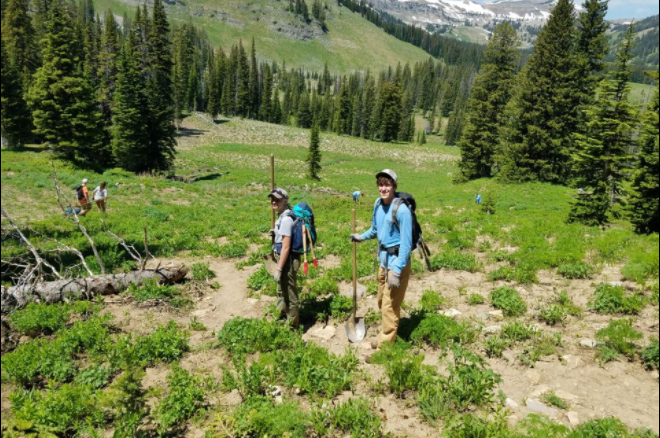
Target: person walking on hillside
83, 198
394, 248
101, 196
356, 196
478, 199
288, 263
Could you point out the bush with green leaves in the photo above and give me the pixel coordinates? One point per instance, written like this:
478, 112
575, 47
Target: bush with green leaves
185, 398
341, 307
470, 383
505, 273
496, 346
610, 300
152, 290
69, 410
167, 344
250, 380
96, 376
605, 428
476, 300
553, 315
576, 271
202, 272
127, 400
456, 261
651, 355
261, 417
431, 301
231, 250
543, 345
553, 399
509, 301
40, 319
473, 426
261, 281
249, 336
618, 338
655, 294
564, 300
355, 417
442, 332
37, 360
519, 332
404, 370
538, 426
324, 285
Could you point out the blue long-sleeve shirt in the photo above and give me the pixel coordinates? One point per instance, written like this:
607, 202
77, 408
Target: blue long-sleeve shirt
389, 235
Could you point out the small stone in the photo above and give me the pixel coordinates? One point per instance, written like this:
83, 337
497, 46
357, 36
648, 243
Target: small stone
511, 404
497, 314
567, 396
452, 313
493, 330
616, 283
483, 316
298, 391
24, 339
276, 391
573, 418
572, 361
655, 375
323, 333
200, 313
589, 343
279, 400
252, 301
539, 408
540, 390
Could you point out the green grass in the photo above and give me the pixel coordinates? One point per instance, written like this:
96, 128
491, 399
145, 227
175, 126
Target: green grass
509, 301
553, 400
611, 300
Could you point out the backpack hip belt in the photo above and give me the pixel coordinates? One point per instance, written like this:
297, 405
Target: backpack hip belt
393, 250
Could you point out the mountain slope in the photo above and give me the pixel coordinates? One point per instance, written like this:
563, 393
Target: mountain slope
351, 43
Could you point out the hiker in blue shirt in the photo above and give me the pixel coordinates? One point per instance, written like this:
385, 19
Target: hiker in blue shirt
356, 196
478, 199
394, 248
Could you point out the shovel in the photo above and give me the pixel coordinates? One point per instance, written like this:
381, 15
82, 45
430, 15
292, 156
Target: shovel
304, 237
311, 245
356, 329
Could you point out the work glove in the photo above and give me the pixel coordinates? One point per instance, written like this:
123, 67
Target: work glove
356, 238
393, 280
277, 276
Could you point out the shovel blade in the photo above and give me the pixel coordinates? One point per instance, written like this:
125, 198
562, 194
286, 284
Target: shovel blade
356, 330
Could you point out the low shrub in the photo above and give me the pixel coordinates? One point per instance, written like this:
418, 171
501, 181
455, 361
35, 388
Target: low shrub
496, 346
618, 338
261, 280
248, 336
185, 398
564, 300
651, 355
504, 273
605, 428
261, 417
431, 301
610, 300
152, 290
476, 300
324, 285
509, 301
472, 426
552, 399
526, 274
341, 307
518, 332
165, 344
30, 363
355, 417
403, 369
541, 346
40, 319
538, 426
554, 315
69, 410
96, 377
470, 384
442, 332
655, 294
576, 271
456, 261
202, 272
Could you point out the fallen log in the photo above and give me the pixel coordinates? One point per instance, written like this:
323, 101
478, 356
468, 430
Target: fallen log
17, 297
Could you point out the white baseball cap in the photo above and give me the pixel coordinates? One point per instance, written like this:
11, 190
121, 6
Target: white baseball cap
279, 194
85, 181
388, 173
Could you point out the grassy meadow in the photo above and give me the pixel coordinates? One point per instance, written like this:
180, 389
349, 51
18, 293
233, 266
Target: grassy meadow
445, 373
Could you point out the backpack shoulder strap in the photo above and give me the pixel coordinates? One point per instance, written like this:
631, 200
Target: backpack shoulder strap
395, 210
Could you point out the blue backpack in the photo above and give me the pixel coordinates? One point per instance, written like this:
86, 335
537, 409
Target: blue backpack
303, 216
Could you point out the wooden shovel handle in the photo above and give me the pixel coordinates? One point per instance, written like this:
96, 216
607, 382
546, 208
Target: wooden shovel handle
272, 187
354, 264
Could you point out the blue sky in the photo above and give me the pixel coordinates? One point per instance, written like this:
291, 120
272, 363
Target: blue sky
632, 9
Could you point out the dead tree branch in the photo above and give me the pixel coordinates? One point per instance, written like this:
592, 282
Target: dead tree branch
74, 218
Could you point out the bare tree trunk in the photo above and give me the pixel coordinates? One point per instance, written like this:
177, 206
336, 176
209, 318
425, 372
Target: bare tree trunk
17, 297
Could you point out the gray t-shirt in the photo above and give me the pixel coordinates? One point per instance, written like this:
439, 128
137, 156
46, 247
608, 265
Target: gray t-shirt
283, 227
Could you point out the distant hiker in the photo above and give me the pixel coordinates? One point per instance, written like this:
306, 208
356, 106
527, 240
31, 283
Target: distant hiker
478, 199
356, 196
394, 247
288, 262
580, 191
82, 193
101, 196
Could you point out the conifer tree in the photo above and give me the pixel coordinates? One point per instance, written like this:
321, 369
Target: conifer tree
485, 110
242, 82
254, 86
107, 73
342, 121
19, 38
16, 120
592, 44
160, 92
603, 152
304, 115
61, 99
314, 155
276, 111
644, 199
537, 142
388, 113
265, 110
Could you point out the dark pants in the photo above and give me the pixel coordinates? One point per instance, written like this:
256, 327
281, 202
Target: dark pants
287, 291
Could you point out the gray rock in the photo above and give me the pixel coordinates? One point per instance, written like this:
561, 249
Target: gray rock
497, 314
493, 330
655, 375
589, 343
573, 418
567, 396
539, 408
452, 313
511, 404
323, 333
276, 391
279, 400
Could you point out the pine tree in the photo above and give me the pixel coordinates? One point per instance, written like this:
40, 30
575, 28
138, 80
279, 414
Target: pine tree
603, 152
242, 82
314, 155
388, 113
485, 111
61, 100
276, 112
644, 199
342, 120
130, 130
265, 110
592, 44
304, 116
160, 92
18, 35
107, 73
254, 86
16, 119
537, 142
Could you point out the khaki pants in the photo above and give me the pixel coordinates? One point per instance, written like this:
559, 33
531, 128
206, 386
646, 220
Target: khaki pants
389, 303
85, 206
287, 291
